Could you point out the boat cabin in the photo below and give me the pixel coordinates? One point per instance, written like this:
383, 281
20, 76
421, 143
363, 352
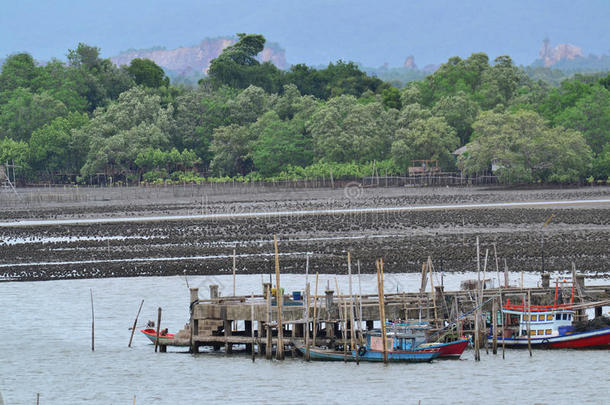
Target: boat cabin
544, 321
400, 336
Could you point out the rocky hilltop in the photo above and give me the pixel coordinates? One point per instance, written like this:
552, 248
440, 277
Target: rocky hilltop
550, 56
187, 60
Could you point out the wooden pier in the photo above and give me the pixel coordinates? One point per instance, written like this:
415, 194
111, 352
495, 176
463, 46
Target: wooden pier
252, 321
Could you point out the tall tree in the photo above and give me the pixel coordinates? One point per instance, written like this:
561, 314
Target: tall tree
429, 139
147, 73
520, 147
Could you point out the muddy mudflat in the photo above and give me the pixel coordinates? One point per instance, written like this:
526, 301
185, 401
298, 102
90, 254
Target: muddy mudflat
578, 232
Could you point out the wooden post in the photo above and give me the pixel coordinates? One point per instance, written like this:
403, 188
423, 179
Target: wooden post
341, 320
306, 327
92, 323
268, 331
529, 319
158, 328
135, 323
315, 312
234, 258
360, 305
522, 279
481, 297
380, 295
505, 274
280, 299
227, 332
497, 267
504, 325
351, 308
252, 325
37, 399
477, 316
494, 325
432, 292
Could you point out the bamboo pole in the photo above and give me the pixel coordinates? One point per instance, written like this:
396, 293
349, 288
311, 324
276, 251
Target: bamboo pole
380, 294
315, 313
351, 309
158, 328
505, 274
481, 296
477, 317
383, 328
252, 325
431, 273
92, 322
341, 320
306, 327
360, 305
280, 299
133, 329
504, 325
268, 331
234, 281
529, 320
497, 267
494, 325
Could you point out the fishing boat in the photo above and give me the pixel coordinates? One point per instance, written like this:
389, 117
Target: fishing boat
400, 348
420, 332
165, 338
550, 327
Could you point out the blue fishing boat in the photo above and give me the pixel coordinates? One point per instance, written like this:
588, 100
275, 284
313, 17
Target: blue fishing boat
399, 349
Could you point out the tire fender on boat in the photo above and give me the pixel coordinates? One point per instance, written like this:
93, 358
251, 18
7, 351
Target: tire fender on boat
361, 351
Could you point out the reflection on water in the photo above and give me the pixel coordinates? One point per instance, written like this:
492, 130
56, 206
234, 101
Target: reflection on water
48, 327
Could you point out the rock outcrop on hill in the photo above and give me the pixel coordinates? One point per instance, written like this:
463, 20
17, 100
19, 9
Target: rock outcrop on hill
186, 60
551, 56
410, 63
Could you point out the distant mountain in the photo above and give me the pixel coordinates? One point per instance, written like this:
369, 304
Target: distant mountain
550, 56
557, 63
195, 60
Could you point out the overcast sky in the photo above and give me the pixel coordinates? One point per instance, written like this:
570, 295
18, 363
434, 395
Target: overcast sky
311, 31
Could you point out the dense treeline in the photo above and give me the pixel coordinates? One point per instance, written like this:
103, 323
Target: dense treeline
75, 121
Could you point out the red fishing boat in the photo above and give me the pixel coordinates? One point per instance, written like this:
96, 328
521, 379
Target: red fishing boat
551, 327
165, 338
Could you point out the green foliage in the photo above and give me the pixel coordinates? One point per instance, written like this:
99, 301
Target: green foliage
56, 146
15, 152
520, 147
250, 121
147, 73
430, 138
279, 144
18, 71
117, 134
231, 146
344, 130
237, 66
391, 98
460, 112
26, 111
601, 164
591, 116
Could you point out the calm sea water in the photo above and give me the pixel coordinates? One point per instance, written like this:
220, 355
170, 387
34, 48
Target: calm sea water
47, 338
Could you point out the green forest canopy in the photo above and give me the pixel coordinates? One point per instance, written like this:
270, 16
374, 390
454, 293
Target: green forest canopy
66, 122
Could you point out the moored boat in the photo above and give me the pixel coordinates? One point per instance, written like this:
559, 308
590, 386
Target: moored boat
550, 327
419, 331
165, 338
400, 348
